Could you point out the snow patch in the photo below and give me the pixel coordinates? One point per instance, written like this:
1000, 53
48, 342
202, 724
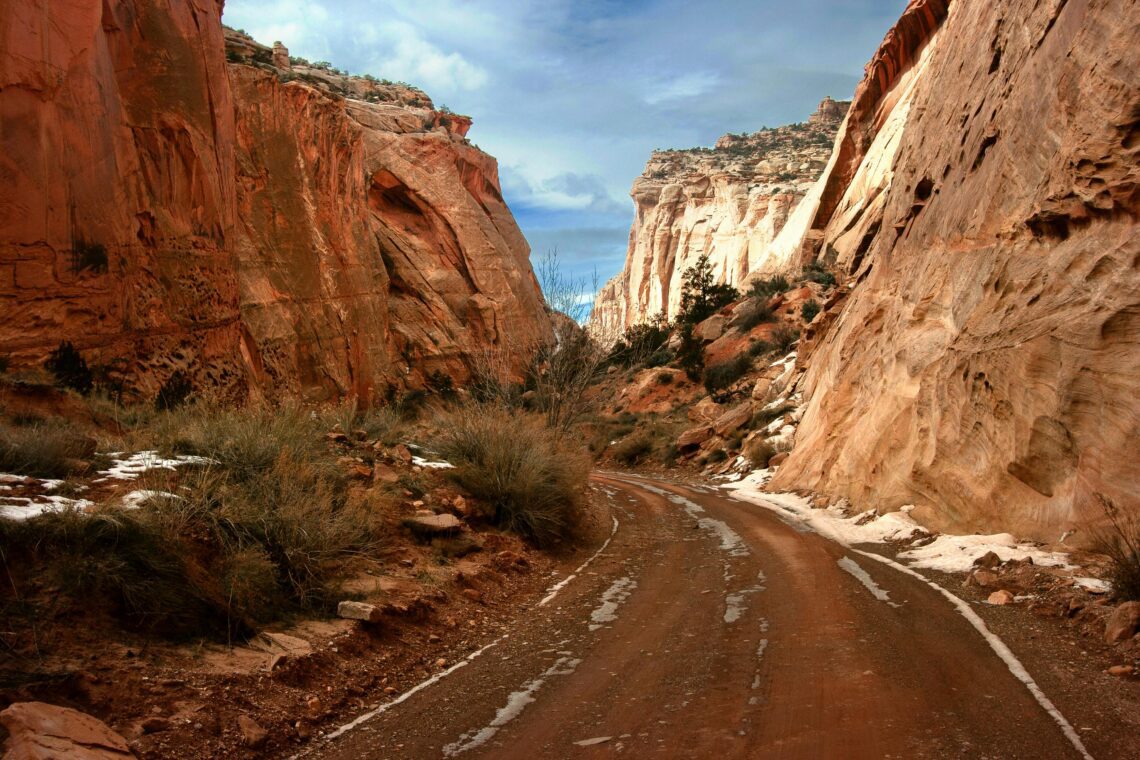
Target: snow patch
554, 590
435, 465
134, 465
863, 577
613, 598
516, 703
956, 554
136, 499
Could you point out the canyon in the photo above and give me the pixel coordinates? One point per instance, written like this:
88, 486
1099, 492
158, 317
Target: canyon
180, 198
728, 202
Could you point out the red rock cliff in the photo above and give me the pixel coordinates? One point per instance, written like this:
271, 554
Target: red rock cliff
263, 228
983, 196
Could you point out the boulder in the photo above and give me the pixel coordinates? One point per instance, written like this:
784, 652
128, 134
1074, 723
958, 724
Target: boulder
777, 459
733, 419
711, 329
1123, 623
1000, 597
252, 734
362, 611
383, 473
989, 560
694, 436
39, 731
705, 410
429, 525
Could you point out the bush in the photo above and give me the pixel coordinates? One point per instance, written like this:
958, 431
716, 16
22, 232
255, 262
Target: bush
442, 385
758, 313
665, 378
43, 450
758, 347
716, 455
1120, 540
784, 337
761, 288
809, 310
632, 450
521, 469
174, 392
816, 272
765, 416
659, 358
640, 343
758, 452
726, 373
69, 368
88, 257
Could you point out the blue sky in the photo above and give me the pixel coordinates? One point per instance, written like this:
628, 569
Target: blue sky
572, 95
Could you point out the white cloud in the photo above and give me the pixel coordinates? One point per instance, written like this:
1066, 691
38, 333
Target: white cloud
685, 86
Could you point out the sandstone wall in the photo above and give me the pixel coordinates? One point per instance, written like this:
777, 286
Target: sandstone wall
264, 229
983, 196
728, 203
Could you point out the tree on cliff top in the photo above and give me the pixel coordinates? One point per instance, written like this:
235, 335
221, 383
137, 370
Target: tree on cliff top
701, 295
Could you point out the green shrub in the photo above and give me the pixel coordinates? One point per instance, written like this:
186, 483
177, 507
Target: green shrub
518, 467
716, 455
758, 347
665, 378
816, 272
659, 358
766, 288
809, 310
784, 337
69, 368
640, 343
726, 373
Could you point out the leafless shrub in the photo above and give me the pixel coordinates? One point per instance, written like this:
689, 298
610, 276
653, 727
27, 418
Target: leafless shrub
1120, 540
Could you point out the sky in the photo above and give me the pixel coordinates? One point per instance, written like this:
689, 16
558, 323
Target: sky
571, 96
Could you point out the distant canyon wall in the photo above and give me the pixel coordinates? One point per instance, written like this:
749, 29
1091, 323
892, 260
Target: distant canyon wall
729, 203
177, 197
983, 197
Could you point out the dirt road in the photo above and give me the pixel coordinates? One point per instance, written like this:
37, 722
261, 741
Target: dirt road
709, 628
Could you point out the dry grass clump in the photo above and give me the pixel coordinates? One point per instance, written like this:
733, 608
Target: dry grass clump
530, 477
633, 449
1120, 540
758, 451
43, 450
262, 531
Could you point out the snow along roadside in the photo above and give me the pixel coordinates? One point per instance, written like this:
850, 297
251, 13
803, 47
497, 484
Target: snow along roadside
845, 532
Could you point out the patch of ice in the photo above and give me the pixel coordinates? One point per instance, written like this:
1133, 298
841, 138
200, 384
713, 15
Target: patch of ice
863, 577
956, 554
730, 540
7, 477
613, 598
516, 703
435, 465
1093, 585
554, 590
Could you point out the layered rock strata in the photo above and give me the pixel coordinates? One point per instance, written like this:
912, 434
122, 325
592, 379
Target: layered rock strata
727, 202
983, 197
176, 198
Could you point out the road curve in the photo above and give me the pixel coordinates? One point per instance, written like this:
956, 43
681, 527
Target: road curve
708, 627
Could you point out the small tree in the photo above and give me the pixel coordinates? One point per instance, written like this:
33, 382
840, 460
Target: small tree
691, 354
701, 295
809, 310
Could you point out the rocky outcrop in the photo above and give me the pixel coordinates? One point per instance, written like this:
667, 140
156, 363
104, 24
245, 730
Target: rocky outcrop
727, 202
177, 198
984, 205
39, 731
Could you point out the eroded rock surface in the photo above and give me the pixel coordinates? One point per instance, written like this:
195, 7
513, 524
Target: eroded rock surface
263, 226
983, 198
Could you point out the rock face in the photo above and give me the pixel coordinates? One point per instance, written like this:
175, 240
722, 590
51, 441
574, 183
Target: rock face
985, 364
39, 731
266, 226
728, 202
